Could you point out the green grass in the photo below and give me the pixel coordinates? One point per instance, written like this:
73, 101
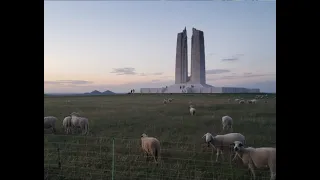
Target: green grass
125, 117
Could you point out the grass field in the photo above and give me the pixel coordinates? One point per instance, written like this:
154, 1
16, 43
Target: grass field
184, 154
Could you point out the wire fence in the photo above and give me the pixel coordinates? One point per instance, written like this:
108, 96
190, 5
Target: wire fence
85, 157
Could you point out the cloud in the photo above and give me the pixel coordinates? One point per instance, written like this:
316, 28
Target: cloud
151, 74
217, 71
235, 57
132, 71
124, 71
68, 82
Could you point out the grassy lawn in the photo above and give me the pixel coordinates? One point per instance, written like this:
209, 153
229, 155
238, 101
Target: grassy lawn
184, 154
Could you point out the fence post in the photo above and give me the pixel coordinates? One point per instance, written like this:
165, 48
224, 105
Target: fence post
112, 176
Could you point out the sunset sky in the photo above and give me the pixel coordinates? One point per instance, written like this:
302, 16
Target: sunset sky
118, 46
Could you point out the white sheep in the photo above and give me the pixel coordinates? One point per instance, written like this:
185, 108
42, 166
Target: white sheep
227, 123
170, 99
222, 142
192, 110
241, 102
236, 100
150, 146
165, 101
81, 122
66, 123
50, 122
257, 158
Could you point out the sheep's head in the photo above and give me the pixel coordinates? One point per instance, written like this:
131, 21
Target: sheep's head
191, 106
208, 138
144, 135
237, 146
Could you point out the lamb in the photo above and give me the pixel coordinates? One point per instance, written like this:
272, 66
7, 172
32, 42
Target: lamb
50, 122
66, 123
219, 142
227, 123
192, 110
150, 146
81, 122
257, 158
241, 102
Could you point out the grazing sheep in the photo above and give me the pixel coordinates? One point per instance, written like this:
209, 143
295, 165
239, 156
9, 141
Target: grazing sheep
150, 146
66, 123
165, 101
257, 158
222, 142
192, 110
241, 102
50, 122
227, 123
81, 122
236, 100
249, 101
170, 99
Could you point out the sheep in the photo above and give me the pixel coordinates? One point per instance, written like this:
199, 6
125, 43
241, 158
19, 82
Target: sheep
81, 122
165, 101
252, 101
236, 100
257, 158
192, 110
241, 102
219, 142
50, 122
150, 146
227, 123
170, 99
66, 123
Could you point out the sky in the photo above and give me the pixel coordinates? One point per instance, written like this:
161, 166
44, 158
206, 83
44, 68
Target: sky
123, 45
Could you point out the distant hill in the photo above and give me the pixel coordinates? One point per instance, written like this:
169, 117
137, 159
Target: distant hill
96, 92
93, 93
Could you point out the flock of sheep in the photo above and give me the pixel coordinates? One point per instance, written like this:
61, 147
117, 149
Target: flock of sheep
252, 101
251, 157
69, 123
232, 142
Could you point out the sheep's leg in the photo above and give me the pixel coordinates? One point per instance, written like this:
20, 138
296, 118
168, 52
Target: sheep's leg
235, 156
273, 172
217, 155
147, 156
252, 171
222, 155
273, 176
53, 130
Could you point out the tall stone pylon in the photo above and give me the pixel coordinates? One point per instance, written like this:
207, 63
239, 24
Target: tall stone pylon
181, 70
198, 64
